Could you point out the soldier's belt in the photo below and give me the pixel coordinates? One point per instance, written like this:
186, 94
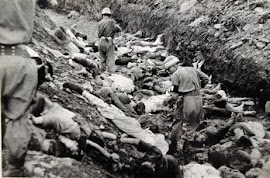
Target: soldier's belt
13, 50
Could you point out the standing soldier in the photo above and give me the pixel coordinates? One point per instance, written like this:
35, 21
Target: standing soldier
107, 28
18, 80
187, 82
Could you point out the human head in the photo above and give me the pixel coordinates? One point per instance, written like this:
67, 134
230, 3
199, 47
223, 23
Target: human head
146, 170
200, 138
63, 29
48, 146
199, 54
106, 12
173, 68
140, 108
60, 33
154, 156
187, 63
38, 107
45, 72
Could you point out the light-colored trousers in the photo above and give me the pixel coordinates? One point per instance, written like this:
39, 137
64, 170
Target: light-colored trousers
107, 54
189, 112
18, 82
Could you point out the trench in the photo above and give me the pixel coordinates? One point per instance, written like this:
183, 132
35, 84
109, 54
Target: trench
221, 30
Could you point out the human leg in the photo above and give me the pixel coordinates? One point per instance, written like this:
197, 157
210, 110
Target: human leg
110, 63
193, 113
18, 78
177, 130
103, 48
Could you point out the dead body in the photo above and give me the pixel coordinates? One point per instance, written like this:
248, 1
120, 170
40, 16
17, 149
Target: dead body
212, 134
69, 125
121, 100
155, 165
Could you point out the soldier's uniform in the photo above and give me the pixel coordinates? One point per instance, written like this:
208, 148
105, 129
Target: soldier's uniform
107, 28
18, 79
190, 104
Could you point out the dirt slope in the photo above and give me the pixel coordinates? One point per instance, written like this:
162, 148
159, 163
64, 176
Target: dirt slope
63, 72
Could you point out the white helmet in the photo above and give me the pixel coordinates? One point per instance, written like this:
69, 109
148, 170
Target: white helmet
106, 11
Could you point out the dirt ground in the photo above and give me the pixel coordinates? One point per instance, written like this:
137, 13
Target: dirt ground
83, 24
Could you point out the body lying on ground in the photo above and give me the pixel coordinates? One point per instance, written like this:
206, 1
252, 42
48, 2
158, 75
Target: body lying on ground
67, 39
155, 164
69, 125
216, 102
214, 133
88, 61
121, 100
60, 37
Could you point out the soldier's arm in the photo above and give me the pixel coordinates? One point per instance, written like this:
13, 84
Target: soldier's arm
204, 78
99, 31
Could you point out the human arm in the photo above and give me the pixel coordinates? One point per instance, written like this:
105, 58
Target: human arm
104, 152
141, 145
117, 28
52, 33
133, 141
100, 31
74, 39
203, 77
42, 105
175, 83
117, 102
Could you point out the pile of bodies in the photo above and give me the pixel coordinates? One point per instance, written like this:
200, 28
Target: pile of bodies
137, 100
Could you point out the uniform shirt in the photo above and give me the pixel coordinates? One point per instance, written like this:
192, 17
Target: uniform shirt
188, 79
107, 28
16, 21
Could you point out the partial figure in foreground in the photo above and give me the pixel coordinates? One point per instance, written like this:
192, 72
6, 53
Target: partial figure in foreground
18, 80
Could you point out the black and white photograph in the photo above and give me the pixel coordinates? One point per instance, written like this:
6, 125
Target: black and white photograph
135, 88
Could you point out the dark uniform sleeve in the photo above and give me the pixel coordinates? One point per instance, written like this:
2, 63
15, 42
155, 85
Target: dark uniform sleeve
175, 82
